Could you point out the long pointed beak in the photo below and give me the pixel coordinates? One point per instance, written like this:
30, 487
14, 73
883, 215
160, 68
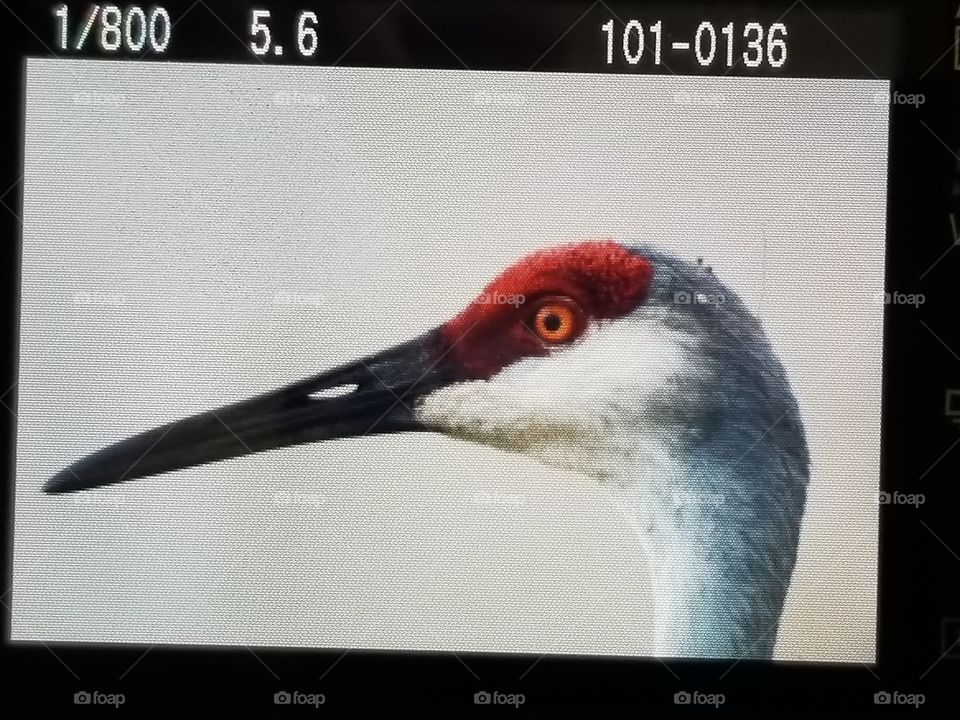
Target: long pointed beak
374, 395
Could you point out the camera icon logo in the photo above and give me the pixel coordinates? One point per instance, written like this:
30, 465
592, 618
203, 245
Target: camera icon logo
482, 698
881, 698
681, 698
884, 498
681, 298
82, 698
282, 698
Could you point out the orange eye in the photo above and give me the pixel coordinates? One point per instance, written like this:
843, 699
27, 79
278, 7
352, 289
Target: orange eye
557, 321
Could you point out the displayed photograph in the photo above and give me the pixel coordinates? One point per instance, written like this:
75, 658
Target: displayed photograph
470, 361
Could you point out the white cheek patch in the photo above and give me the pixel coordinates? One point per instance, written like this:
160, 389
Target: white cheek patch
584, 407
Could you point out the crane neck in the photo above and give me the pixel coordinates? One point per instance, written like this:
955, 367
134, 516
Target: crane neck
719, 571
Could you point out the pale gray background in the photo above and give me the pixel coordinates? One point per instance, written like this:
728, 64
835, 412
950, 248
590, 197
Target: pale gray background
194, 234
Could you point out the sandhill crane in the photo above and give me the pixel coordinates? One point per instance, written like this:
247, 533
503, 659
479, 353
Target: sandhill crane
634, 368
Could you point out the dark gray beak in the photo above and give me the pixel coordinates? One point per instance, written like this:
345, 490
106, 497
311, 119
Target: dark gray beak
374, 395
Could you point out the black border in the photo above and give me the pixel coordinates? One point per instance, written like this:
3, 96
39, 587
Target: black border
919, 551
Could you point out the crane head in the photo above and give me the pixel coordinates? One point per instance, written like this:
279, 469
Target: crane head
559, 359
539, 309
569, 355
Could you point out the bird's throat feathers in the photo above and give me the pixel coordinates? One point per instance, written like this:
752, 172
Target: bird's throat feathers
581, 408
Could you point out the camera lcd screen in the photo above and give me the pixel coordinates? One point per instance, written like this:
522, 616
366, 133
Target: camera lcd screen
450, 360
